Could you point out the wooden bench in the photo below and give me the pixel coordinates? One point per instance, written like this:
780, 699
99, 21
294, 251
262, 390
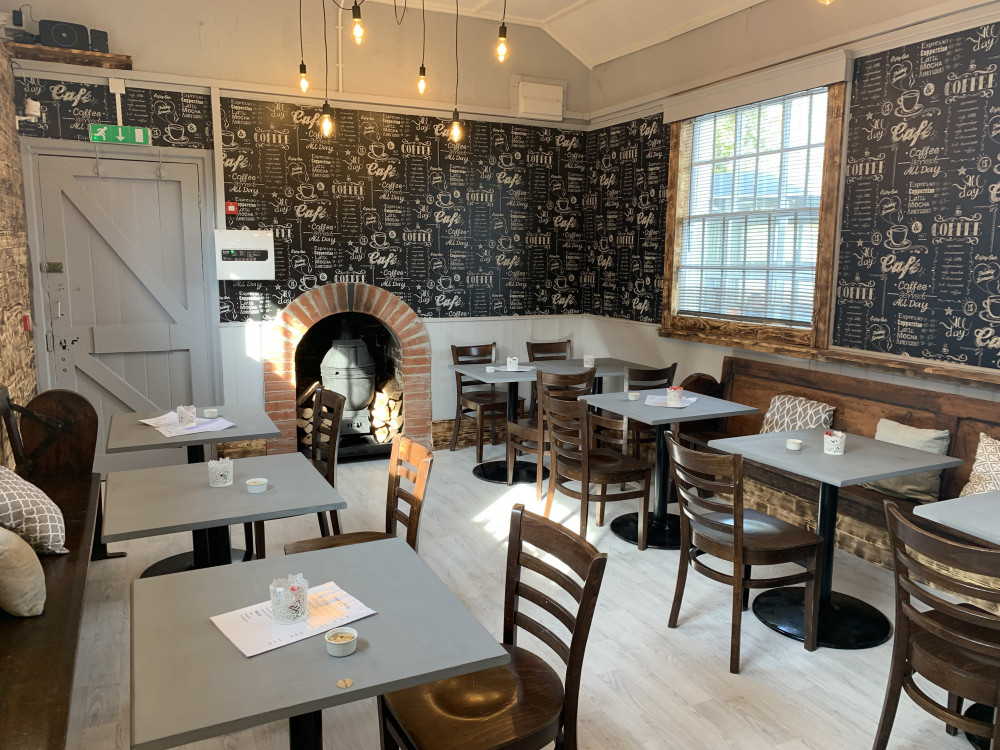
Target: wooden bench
38, 654
860, 404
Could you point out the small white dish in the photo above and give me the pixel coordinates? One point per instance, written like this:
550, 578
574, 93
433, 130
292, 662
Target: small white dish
257, 485
210, 413
490, 368
793, 444
345, 643
633, 396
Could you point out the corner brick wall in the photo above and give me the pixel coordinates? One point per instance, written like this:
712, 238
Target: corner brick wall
290, 326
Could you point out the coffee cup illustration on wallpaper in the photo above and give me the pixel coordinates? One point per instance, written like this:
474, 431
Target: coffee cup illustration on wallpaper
377, 151
228, 138
909, 104
505, 243
991, 309
306, 192
896, 237
507, 160
379, 239
175, 133
444, 200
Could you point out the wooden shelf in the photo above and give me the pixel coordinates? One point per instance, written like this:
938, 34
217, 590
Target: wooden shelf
70, 56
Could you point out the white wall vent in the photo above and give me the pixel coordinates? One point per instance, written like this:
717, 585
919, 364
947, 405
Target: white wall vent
540, 101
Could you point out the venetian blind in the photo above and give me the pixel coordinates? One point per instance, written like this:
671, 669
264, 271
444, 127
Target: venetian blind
752, 178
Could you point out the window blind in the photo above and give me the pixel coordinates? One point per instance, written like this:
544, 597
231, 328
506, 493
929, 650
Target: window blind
750, 223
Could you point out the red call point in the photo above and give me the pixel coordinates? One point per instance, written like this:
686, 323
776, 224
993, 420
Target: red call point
232, 208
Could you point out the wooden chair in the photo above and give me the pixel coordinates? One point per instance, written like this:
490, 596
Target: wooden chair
528, 435
954, 645
714, 522
409, 461
523, 704
474, 399
547, 351
578, 440
328, 411
642, 379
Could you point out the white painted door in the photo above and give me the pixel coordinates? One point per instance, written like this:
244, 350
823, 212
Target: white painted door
128, 325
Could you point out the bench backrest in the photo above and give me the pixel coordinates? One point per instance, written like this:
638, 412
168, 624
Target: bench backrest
56, 437
861, 404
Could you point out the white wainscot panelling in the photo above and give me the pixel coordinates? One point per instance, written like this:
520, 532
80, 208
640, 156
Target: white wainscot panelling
242, 362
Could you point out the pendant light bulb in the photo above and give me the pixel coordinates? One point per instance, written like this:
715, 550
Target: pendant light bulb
502, 43
422, 81
359, 30
455, 132
303, 81
326, 121
825, 2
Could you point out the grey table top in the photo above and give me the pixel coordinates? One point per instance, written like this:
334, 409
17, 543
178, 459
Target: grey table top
977, 515
607, 367
190, 683
864, 459
250, 422
705, 407
167, 499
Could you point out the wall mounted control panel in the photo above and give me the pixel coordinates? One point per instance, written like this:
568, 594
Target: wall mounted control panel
242, 255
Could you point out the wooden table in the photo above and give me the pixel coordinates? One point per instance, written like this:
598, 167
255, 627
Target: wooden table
844, 621
168, 499
525, 472
190, 683
126, 433
976, 518
663, 530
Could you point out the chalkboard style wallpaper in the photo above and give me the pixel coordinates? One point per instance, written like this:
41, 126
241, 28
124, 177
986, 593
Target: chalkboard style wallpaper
175, 119
919, 273
492, 225
624, 216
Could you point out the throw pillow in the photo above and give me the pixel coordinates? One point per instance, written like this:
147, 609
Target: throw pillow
985, 475
796, 413
22, 581
28, 512
924, 487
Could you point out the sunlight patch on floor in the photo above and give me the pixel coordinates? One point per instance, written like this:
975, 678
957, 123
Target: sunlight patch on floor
495, 518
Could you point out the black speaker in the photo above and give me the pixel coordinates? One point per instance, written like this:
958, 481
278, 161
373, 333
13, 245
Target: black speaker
64, 34
98, 40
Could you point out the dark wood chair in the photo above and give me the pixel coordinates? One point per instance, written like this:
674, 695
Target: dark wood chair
409, 462
642, 379
545, 351
328, 412
528, 435
714, 522
524, 704
941, 633
578, 440
474, 399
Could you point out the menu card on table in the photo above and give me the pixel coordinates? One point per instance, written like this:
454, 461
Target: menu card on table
169, 425
254, 631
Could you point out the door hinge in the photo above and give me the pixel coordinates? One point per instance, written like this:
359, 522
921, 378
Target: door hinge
50, 341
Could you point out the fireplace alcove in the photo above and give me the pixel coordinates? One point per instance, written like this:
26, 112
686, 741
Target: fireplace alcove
293, 323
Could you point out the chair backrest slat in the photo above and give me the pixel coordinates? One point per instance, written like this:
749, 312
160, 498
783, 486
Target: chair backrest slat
540, 351
531, 533
328, 413
571, 587
644, 379
410, 461
475, 354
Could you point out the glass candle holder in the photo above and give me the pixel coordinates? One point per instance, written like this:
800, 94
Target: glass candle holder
186, 415
833, 442
220, 473
290, 599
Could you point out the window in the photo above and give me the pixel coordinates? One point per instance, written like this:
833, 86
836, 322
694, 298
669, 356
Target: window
747, 219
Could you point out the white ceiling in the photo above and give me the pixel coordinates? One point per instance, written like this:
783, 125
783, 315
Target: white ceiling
596, 31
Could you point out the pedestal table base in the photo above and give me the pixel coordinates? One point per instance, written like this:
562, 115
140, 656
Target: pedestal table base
845, 622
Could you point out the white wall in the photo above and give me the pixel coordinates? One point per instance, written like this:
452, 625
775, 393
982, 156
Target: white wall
257, 42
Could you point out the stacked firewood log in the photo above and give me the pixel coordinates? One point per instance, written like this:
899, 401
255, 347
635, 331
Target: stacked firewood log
387, 410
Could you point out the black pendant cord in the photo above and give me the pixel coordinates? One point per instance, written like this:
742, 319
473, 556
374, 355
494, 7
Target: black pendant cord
359, 2
302, 49
326, 55
423, 24
456, 55
395, 11
503, 19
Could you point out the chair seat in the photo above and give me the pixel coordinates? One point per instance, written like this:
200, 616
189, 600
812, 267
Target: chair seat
603, 462
972, 675
339, 540
473, 399
512, 705
524, 428
760, 532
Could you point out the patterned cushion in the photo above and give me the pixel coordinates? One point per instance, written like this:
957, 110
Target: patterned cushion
985, 475
924, 487
22, 581
28, 512
796, 413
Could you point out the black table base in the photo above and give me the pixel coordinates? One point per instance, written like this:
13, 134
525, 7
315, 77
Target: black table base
844, 622
658, 535
305, 731
525, 472
183, 561
979, 712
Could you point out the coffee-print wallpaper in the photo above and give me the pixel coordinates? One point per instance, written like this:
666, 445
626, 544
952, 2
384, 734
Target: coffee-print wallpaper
919, 272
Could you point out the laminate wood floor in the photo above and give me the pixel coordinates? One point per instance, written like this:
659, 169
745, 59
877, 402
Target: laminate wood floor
644, 686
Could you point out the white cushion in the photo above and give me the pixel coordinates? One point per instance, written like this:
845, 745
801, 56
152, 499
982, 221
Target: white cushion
796, 413
985, 475
28, 512
22, 581
925, 486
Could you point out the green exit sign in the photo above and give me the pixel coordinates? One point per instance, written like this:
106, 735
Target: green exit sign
118, 134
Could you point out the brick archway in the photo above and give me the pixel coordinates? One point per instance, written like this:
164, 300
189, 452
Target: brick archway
305, 311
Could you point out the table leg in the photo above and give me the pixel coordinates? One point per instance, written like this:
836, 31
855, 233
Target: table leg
196, 454
496, 471
305, 732
844, 621
664, 531
979, 712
